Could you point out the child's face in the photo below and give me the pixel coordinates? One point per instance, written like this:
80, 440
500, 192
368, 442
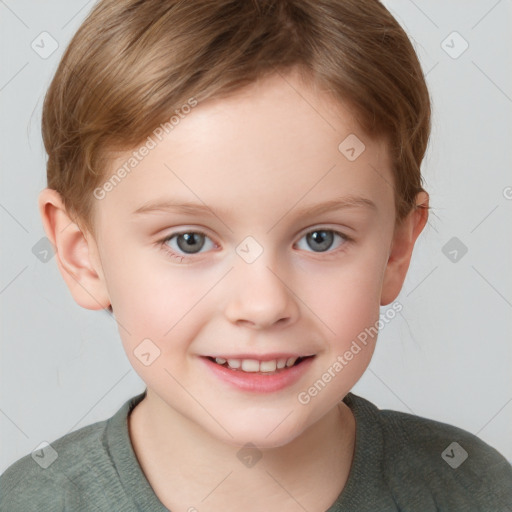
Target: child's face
255, 161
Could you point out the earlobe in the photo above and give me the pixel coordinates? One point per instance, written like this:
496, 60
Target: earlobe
402, 246
76, 253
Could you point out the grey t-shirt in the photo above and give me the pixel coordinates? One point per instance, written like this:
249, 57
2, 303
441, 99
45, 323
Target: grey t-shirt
402, 462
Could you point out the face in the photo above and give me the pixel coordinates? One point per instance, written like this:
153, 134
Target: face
258, 268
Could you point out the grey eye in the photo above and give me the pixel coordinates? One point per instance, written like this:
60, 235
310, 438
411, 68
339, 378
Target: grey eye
321, 240
189, 242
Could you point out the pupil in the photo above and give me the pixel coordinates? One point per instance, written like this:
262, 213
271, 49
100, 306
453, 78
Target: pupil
324, 238
190, 241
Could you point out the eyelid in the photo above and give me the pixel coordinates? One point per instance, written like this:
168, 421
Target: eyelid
341, 230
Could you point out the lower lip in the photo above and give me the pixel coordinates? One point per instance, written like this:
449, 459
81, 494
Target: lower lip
259, 382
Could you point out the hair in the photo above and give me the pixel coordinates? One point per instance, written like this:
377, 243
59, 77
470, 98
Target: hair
132, 63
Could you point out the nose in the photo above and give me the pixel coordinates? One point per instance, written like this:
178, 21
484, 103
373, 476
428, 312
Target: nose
259, 297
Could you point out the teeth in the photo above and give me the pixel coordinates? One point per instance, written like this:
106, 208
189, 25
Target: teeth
252, 365
291, 361
268, 366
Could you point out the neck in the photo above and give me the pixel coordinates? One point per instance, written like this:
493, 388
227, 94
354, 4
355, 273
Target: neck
188, 467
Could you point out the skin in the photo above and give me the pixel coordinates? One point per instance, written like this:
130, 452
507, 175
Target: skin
254, 159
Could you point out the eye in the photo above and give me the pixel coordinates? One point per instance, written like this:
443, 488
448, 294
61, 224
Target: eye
323, 239
179, 245
182, 244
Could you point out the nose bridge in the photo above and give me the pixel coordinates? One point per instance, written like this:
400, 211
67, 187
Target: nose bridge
260, 294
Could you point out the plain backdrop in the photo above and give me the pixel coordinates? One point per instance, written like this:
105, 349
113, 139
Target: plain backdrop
447, 356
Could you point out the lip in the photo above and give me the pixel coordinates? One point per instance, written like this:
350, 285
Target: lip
262, 357
258, 382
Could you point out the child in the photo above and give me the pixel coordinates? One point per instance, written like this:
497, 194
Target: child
256, 130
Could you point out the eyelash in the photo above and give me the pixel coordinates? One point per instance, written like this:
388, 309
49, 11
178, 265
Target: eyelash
181, 257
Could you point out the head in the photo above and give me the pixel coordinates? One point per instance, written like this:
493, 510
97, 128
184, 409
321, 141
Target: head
258, 112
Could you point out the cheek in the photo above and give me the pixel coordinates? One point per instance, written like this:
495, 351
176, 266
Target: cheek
157, 302
347, 296
142, 288
155, 311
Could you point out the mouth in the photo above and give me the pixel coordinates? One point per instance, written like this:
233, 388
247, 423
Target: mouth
261, 375
269, 367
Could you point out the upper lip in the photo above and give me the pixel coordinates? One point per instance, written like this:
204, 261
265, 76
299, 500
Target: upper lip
261, 357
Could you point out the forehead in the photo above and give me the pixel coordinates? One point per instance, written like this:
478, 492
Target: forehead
273, 145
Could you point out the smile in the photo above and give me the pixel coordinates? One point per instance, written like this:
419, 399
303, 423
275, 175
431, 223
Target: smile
259, 376
255, 366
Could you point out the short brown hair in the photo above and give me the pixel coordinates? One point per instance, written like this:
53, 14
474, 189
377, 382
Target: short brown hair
133, 62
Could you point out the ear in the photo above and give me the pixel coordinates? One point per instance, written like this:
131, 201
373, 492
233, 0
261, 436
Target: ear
76, 254
404, 238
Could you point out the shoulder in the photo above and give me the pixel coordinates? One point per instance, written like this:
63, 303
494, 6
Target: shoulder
429, 461
53, 476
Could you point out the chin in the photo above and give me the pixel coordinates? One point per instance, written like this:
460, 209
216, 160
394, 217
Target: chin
266, 435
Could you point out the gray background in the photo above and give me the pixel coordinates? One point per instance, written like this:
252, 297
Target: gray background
446, 356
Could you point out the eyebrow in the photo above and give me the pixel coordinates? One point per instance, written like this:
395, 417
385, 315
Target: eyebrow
342, 203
